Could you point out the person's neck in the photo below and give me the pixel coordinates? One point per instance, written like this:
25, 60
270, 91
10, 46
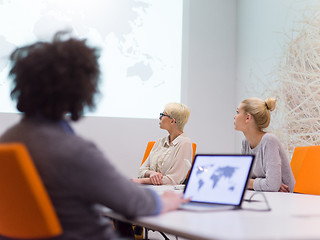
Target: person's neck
254, 137
174, 134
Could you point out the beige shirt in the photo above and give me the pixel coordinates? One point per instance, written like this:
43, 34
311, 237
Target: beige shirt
172, 160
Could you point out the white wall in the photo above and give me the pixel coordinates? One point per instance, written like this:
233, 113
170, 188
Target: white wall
208, 86
211, 74
275, 40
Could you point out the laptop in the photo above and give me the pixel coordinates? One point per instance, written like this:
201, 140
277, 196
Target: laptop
217, 181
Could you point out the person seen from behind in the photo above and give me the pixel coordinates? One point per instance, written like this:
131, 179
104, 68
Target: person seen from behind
53, 84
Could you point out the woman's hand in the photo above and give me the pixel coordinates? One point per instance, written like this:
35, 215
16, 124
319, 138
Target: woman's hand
250, 184
141, 180
284, 188
136, 180
156, 178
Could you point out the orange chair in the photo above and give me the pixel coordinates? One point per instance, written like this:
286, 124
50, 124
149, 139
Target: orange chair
306, 170
194, 148
26, 211
298, 156
148, 150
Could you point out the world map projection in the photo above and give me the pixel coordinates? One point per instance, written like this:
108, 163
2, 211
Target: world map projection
220, 172
140, 43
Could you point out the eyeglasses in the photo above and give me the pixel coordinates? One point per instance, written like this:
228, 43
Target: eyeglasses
164, 115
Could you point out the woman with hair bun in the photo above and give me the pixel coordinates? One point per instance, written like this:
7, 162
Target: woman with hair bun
271, 170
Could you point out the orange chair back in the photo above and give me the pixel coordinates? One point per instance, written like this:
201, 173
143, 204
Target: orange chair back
298, 156
150, 146
308, 175
148, 150
26, 211
194, 148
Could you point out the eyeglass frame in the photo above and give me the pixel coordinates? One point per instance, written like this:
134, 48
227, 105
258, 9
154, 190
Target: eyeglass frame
165, 115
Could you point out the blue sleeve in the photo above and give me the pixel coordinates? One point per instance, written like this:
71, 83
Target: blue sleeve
158, 202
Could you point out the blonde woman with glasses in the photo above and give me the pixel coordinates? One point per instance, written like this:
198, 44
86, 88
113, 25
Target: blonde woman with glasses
170, 158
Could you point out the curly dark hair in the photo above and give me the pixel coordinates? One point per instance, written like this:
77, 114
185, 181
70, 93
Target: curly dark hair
51, 79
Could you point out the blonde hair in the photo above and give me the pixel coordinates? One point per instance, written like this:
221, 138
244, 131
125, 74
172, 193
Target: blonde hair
179, 112
260, 110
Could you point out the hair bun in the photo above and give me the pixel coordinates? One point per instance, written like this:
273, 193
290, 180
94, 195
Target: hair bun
270, 103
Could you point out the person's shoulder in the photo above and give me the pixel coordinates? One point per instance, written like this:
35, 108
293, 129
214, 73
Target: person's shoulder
84, 152
184, 139
7, 133
79, 143
270, 138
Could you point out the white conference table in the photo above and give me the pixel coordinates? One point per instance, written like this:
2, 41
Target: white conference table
292, 216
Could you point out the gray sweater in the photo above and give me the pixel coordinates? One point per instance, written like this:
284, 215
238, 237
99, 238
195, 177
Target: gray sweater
79, 179
271, 167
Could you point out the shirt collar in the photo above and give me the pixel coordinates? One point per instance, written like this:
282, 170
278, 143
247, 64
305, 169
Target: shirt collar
175, 141
66, 126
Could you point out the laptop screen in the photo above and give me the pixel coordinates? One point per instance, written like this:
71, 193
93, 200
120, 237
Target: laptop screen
219, 179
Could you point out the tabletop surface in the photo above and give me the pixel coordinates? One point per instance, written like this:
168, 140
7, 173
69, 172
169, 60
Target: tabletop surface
292, 216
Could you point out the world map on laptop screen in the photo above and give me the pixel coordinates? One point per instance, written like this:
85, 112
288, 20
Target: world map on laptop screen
218, 178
